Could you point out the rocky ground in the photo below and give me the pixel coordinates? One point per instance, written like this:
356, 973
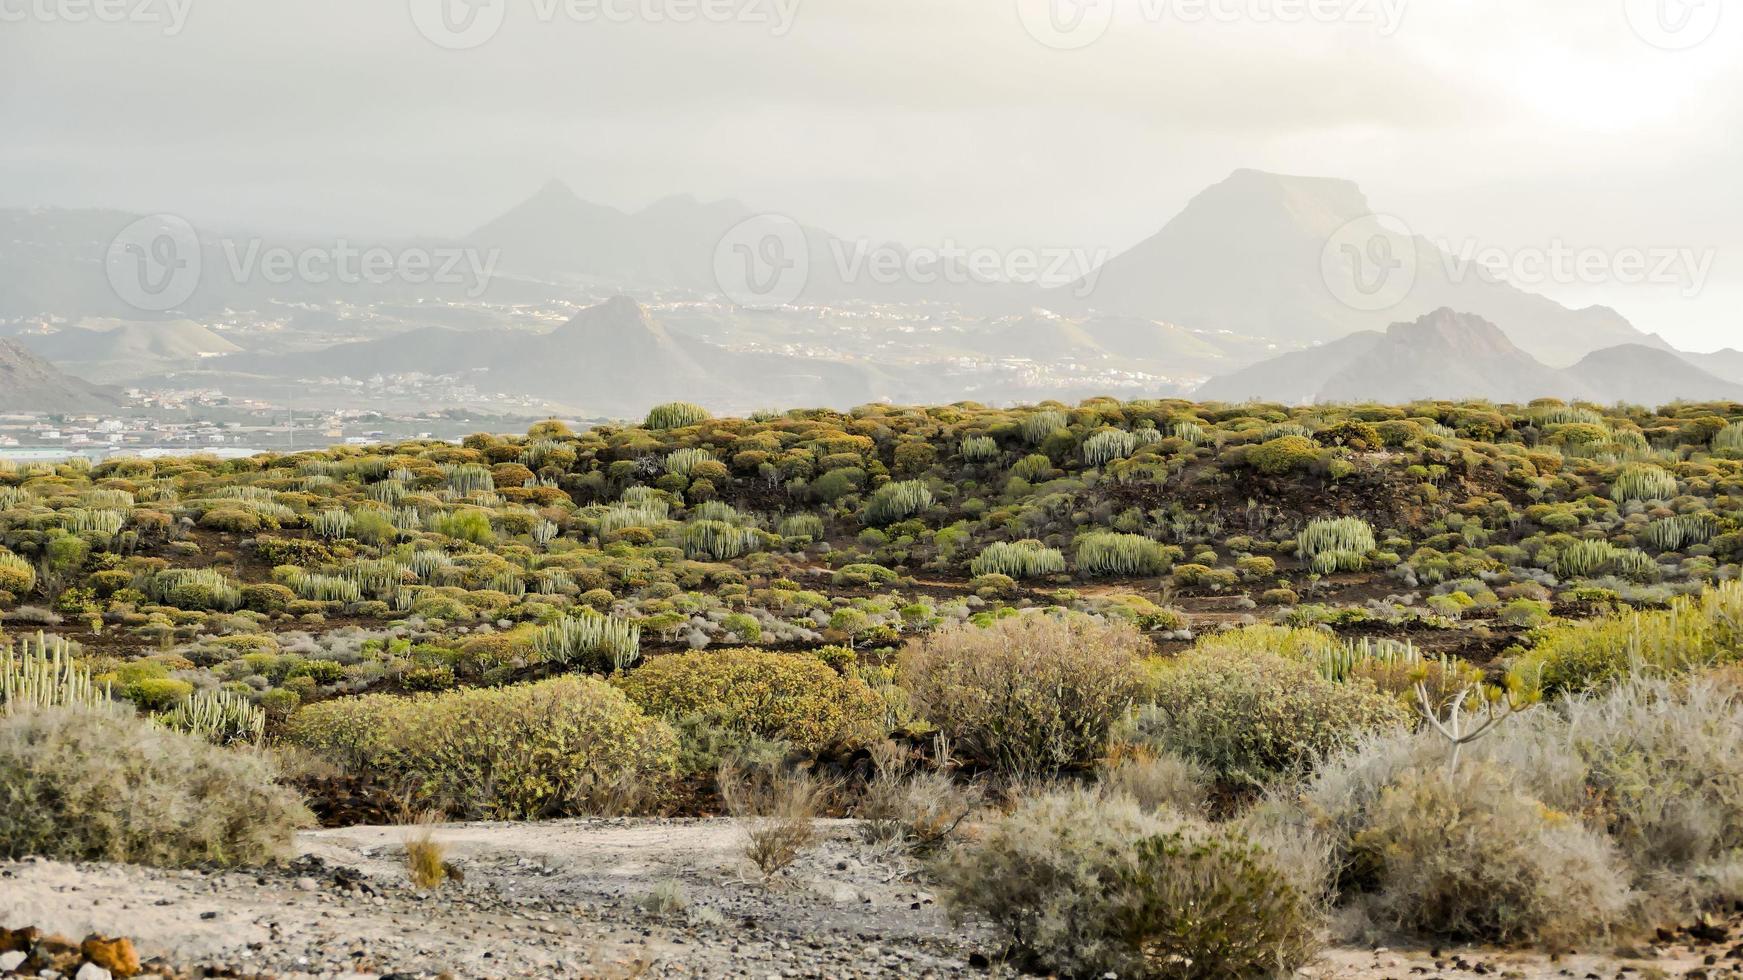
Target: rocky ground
620, 898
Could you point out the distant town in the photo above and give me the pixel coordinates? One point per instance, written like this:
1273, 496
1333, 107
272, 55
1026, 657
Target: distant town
209, 422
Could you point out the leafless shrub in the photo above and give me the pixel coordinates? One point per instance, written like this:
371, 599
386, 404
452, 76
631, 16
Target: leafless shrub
778, 809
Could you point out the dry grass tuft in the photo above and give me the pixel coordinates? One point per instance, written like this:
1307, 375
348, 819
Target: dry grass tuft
778, 809
424, 855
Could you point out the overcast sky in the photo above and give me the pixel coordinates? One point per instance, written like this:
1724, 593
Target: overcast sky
1600, 124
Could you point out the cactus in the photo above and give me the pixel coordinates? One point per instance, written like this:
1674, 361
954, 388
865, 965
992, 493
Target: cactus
807, 526
893, 502
332, 525
1040, 425
1105, 553
683, 461
219, 717
676, 415
43, 672
1024, 559
980, 449
1342, 535
718, 540
1108, 445
590, 642
467, 479
1639, 481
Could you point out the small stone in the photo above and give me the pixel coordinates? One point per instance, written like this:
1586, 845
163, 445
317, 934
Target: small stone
91, 971
306, 884
10, 961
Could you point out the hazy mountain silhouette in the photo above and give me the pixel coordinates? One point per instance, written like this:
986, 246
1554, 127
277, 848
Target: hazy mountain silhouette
1293, 378
1246, 255
1447, 354
1459, 355
30, 384
1727, 363
119, 351
672, 244
1642, 375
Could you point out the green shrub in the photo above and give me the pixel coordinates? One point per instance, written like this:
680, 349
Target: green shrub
1158, 781
1250, 719
1030, 694
158, 693
797, 699
1694, 633
98, 784
1662, 756
1084, 886
1466, 856
560, 747
1283, 455
17, 576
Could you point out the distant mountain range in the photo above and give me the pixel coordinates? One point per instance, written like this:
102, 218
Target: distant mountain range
30, 384
1248, 255
1448, 354
1238, 277
112, 351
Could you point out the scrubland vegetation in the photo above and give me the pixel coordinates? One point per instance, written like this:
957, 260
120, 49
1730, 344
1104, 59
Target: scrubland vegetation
1164, 689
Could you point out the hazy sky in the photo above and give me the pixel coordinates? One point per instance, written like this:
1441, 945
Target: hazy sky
1505, 124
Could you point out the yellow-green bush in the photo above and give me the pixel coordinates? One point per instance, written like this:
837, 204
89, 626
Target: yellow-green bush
99, 784
1570, 657
795, 698
1283, 455
1029, 694
554, 748
1252, 717
16, 575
